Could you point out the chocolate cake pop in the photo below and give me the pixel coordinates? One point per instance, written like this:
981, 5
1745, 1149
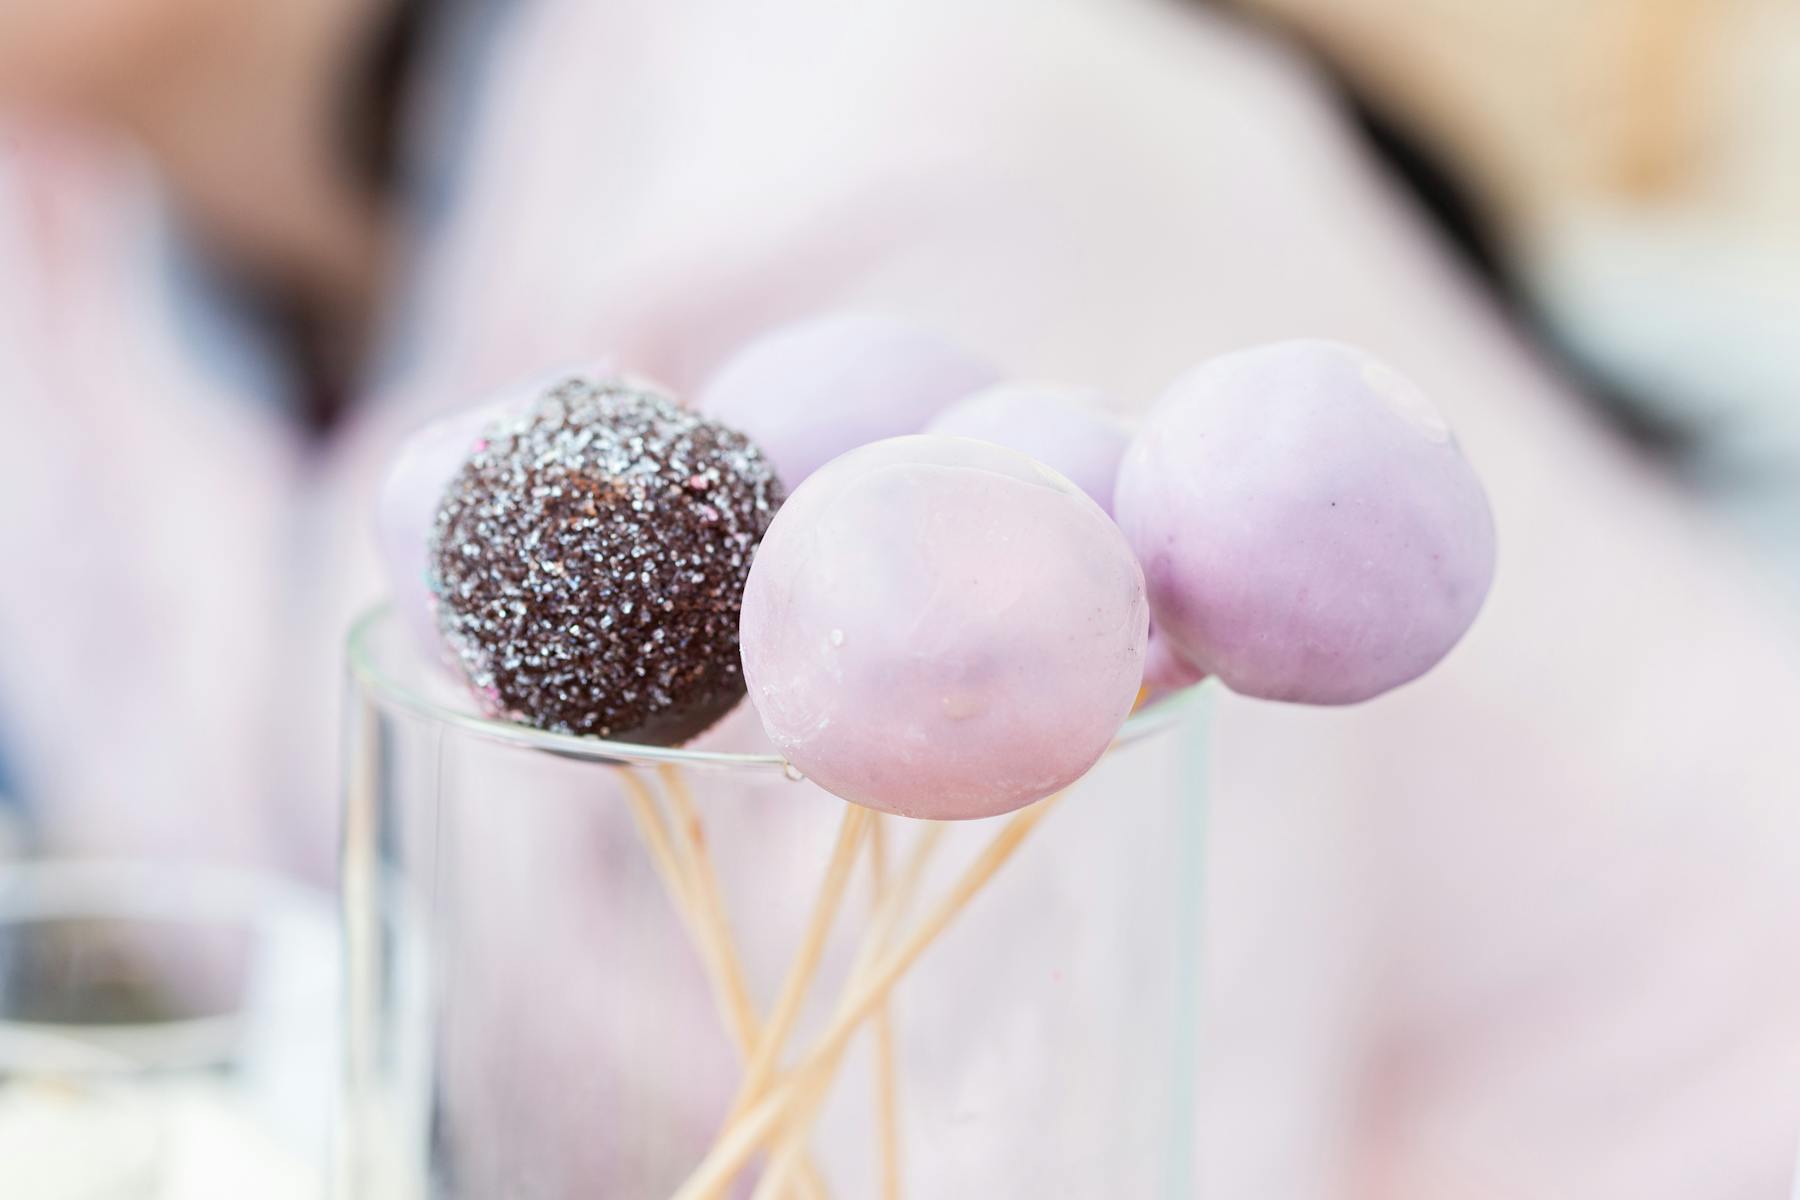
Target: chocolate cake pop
406, 509
941, 627
588, 559
418, 473
809, 391
1308, 527
1067, 429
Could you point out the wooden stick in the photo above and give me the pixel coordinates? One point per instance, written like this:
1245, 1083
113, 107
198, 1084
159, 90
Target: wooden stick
717, 943
743, 1138
797, 1121
739, 1141
681, 874
790, 1132
898, 900
805, 963
887, 1106
789, 1137
648, 815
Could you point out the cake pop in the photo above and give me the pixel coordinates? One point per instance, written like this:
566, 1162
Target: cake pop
406, 508
588, 559
1165, 670
807, 392
1067, 429
1309, 529
944, 628
407, 502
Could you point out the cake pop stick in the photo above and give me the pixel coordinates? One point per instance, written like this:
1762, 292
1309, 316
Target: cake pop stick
714, 928
734, 1147
791, 1131
693, 889
791, 1134
887, 1099
881, 927
655, 834
742, 1139
806, 959
894, 907
791, 1137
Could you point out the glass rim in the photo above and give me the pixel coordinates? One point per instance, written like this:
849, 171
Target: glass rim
396, 694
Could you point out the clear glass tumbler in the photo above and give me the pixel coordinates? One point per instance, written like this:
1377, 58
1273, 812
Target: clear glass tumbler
578, 968
166, 1033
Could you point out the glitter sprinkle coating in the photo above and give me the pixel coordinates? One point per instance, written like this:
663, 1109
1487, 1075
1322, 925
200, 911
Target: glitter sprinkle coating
589, 561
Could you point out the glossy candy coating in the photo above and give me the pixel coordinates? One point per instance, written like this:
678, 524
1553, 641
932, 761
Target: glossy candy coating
1070, 430
809, 391
944, 628
1067, 429
1308, 527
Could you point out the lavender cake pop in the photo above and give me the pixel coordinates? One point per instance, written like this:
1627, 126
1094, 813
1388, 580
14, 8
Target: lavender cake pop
944, 628
1308, 528
406, 509
1165, 670
1067, 429
588, 559
809, 391
1071, 431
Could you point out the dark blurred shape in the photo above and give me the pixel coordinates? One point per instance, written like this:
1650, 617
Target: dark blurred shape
375, 111
325, 355
106, 971
1473, 231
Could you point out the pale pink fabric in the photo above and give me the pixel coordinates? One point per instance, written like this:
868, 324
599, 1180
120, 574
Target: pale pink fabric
1526, 928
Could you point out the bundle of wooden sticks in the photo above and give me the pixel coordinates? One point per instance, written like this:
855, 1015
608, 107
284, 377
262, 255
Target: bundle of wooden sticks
779, 1098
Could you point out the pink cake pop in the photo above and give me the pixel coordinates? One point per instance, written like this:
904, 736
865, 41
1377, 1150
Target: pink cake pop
810, 391
944, 628
1067, 429
1308, 527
